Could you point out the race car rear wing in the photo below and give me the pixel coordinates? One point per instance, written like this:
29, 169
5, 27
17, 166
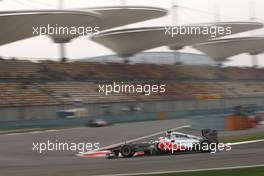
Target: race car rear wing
210, 135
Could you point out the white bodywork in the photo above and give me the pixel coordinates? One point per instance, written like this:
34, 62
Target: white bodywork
182, 139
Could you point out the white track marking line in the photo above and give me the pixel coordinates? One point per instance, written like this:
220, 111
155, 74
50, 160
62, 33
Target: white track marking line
246, 142
36, 132
191, 170
136, 139
30, 132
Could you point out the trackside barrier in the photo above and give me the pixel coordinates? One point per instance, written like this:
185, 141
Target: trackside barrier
212, 121
41, 123
211, 114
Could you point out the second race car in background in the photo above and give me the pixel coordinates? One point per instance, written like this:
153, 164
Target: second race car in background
98, 123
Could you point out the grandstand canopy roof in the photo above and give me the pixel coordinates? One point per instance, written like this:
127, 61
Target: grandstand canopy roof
123, 15
127, 42
17, 25
223, 48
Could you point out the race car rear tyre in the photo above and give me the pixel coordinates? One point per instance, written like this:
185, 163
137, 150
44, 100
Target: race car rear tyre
127, 151
205, 146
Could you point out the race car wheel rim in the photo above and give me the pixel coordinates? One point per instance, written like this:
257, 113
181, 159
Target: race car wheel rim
126, 150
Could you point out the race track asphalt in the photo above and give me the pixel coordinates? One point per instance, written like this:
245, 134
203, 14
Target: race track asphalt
18, 158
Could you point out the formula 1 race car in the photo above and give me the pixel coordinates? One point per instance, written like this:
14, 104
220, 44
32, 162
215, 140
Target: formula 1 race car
171, 143
97, 123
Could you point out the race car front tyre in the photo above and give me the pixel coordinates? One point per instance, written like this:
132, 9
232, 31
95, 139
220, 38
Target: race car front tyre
127, 151
112, 154
157, 149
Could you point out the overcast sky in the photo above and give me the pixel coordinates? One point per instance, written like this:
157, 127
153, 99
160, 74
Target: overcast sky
189, 12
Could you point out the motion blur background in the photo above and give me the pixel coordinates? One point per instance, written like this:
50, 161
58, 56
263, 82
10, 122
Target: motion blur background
40, 87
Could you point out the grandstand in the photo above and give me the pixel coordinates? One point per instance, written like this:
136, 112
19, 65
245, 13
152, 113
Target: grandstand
25, 83
87, 71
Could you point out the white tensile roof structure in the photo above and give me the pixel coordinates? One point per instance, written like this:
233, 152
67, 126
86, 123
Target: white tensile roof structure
127, 42
122, 15
18, 25
223, 48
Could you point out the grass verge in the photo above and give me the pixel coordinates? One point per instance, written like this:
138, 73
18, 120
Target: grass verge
254, 171
245, 137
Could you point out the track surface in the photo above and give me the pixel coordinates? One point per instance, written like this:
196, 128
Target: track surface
17, 157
